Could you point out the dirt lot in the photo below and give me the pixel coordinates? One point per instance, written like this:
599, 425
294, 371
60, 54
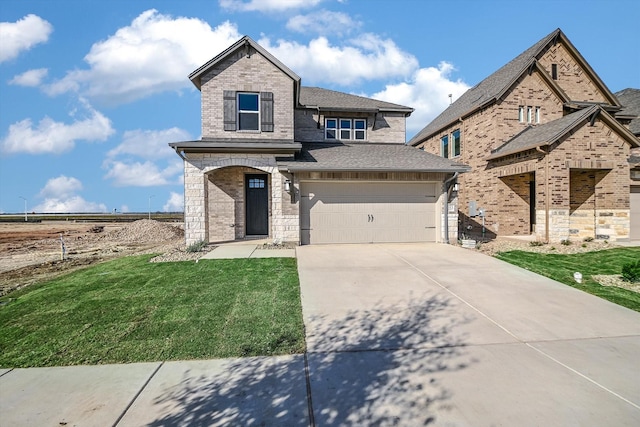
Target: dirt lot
32, 252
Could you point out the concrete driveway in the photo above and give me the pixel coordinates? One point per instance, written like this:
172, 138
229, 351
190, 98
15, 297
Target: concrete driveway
418, 334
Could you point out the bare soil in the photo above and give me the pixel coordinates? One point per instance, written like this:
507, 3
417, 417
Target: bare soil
32, 252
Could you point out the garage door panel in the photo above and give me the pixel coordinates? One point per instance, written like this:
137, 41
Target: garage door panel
347, 212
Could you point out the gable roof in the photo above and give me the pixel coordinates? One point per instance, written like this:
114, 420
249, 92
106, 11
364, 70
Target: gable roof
630, 100
368, 157
494, 87
245, 42
325, 99
540, 135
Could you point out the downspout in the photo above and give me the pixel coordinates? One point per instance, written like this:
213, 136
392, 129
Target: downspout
447, 187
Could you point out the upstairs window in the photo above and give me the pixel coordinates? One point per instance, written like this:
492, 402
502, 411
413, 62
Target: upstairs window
360, 129
537, 116
331, 129
532, 114
444, 143
554, 71
521, 114
248, 111
455, 140
345, 129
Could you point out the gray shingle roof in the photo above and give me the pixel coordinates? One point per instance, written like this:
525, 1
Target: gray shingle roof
326, 99
630, 99
485, 91
368, 157
545, 134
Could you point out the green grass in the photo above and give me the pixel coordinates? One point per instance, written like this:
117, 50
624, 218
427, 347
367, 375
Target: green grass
561, 268
130, 310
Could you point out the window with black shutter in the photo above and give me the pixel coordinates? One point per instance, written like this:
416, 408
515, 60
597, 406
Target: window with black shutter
248, 111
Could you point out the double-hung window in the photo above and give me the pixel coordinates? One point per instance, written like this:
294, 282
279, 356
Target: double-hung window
345, 129
248, 111
455, 140
445, 146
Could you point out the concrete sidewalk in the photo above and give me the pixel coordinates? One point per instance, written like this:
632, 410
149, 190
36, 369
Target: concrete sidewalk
248, 250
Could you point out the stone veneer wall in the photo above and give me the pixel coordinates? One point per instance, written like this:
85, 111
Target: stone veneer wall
214, 197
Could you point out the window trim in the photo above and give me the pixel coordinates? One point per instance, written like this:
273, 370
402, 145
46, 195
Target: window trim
456, 143
240, 112
444, 146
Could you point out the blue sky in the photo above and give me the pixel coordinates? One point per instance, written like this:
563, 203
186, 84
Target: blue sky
91, 92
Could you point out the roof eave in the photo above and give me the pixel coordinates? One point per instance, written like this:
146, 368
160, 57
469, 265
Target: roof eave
226, 147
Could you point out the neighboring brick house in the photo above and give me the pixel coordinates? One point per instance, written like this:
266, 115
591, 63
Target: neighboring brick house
303, 164
630, 99
548, 155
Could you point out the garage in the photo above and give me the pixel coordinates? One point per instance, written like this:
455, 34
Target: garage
368, 212
635, 213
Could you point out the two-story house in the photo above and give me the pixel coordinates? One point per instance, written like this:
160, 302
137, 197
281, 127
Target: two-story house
304, 164
547, 152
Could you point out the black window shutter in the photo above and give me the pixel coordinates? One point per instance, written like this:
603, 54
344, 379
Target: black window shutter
266, 111
229, 110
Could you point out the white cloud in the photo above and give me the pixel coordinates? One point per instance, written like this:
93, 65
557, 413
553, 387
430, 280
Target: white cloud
31, 78
324, 22
141, 174
22, 35
367, 58
175, 203
150, 143
61, 187
60, 196
72, 204
50, 136
266, 5
153, 54
427, 92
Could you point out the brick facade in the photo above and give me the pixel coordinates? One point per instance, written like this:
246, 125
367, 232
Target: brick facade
579, 185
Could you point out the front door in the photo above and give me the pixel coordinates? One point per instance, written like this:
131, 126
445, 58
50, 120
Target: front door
257, 204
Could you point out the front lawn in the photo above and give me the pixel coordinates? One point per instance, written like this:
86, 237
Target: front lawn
561, 268
130, 310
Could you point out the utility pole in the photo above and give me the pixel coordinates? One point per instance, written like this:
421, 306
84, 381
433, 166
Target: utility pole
25, 208
150, 206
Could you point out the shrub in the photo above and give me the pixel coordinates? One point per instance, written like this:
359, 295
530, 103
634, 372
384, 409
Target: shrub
588, 239
536, 243
631, 271
197, 246
565, 242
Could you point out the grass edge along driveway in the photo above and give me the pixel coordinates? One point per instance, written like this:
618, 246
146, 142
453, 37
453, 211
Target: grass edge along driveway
561, 267
129, 310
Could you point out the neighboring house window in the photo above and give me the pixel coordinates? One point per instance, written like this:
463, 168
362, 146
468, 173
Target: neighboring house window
445, 146
345, 129
537, 115
455, 140
521, 114
248, 111
554, 71
360, 129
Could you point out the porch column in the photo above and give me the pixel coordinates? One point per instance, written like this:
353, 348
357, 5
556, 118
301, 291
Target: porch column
195, 202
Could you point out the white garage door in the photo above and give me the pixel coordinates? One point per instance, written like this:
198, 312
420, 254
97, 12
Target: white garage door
635, 213
368, 212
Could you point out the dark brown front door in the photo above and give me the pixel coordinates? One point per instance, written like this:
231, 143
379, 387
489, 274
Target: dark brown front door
257, 204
